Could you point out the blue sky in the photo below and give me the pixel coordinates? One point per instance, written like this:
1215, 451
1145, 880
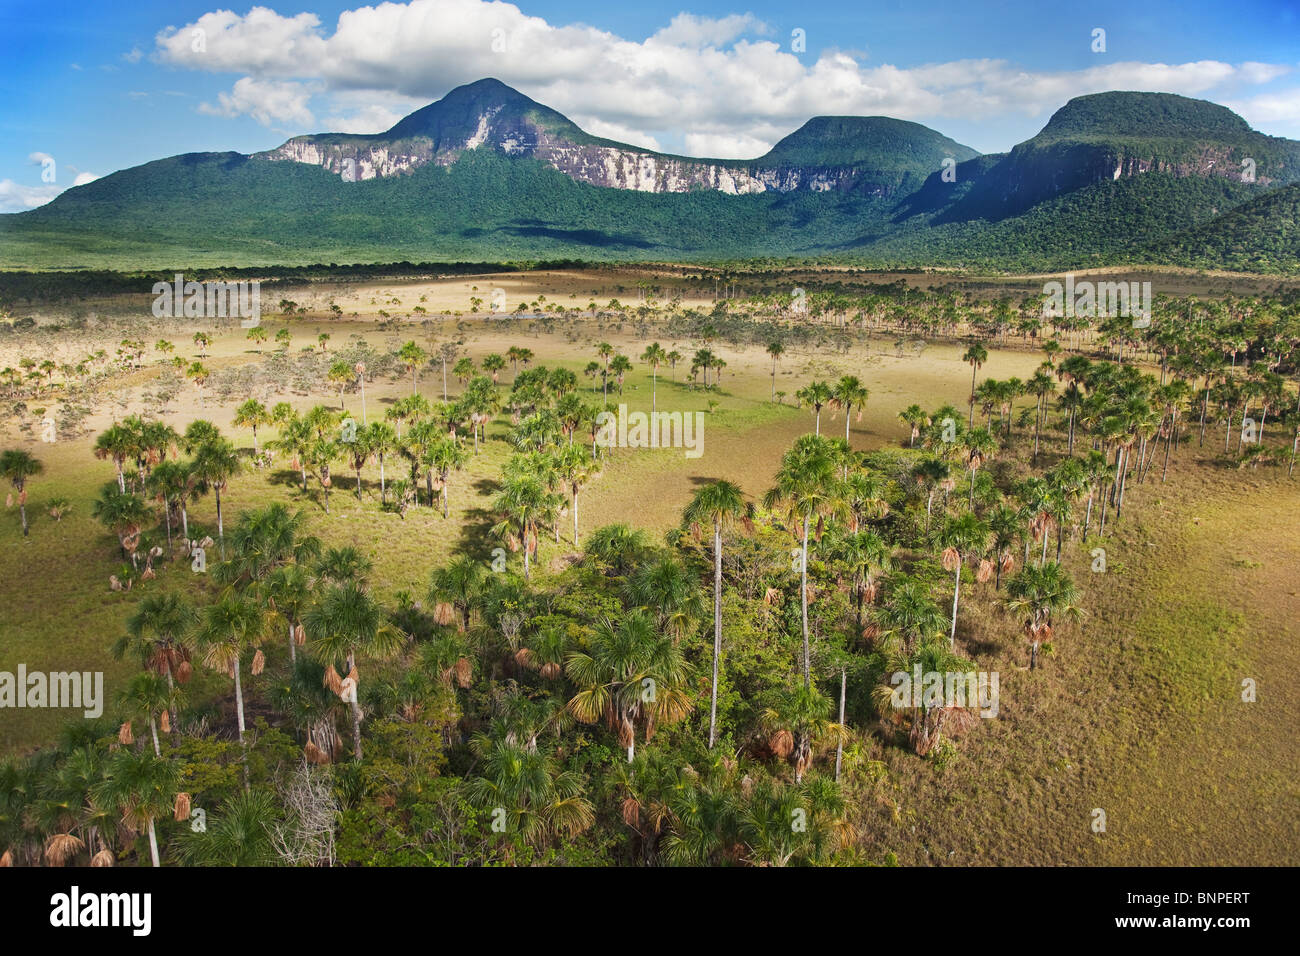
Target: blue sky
100, 87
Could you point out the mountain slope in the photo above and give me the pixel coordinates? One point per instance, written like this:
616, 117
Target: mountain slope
487, 173
878, 154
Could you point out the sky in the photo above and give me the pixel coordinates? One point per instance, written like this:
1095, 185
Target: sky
90, 88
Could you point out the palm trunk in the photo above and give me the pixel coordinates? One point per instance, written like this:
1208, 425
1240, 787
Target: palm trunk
293, 646
803, 599
153, 844
839, 744
153, 732
956, 591
971, 422
717, 628
22, 511
575, 515
239, 703
356, 713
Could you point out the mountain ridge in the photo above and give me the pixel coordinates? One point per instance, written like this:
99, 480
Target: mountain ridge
486, 172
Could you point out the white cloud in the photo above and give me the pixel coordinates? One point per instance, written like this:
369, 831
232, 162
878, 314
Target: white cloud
18, 198
265, 101
699, 82
688, 30
83, 178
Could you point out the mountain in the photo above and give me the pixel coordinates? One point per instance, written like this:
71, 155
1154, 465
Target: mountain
874, 153
487, 173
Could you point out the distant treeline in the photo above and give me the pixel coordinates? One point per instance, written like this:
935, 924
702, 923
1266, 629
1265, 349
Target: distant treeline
76, 284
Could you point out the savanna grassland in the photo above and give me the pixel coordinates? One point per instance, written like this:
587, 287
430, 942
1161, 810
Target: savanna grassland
1134, 704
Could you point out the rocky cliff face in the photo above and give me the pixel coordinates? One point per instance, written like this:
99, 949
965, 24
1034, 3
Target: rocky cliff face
598, 165
870, 155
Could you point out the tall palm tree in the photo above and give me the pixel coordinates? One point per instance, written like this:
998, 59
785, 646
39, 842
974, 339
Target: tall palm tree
847, 393
976, 355
118, 443
227, 631
776, 350
159, 634
345, 622
446, 456
141, 788
978, 445
413, 357
1041, 593
960, 537
287, 591
252, 414
629, 673
146, 696
523, 504
718, 504
575, 466
806, 487
654, 356
215, 463
816, 394
381, 440
18, 466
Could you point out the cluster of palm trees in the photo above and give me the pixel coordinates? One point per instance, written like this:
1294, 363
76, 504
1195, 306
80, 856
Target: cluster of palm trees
150, 470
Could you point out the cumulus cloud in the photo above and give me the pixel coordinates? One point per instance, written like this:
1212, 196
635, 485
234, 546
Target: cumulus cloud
15, 197
265, 101
699, 83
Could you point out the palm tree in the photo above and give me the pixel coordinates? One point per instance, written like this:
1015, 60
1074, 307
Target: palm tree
654, 356
816, 394
575, 466
665, 587
229, 629
1041, 593
976, 355
538, 799
146, 696
909, 617
413, 357
620, 366
238, 834
341, 374
776, 350
718, 504
629, 673
523, 504
252, 414
118, 443
287, 591
931, 474
159, 635
18, 465
381, 440
347, 621
455, 589
493, 364
215, 463
141, 788
806, 487
915, 418
959, 537
125, 515
979, 446
444, 457
846, 393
